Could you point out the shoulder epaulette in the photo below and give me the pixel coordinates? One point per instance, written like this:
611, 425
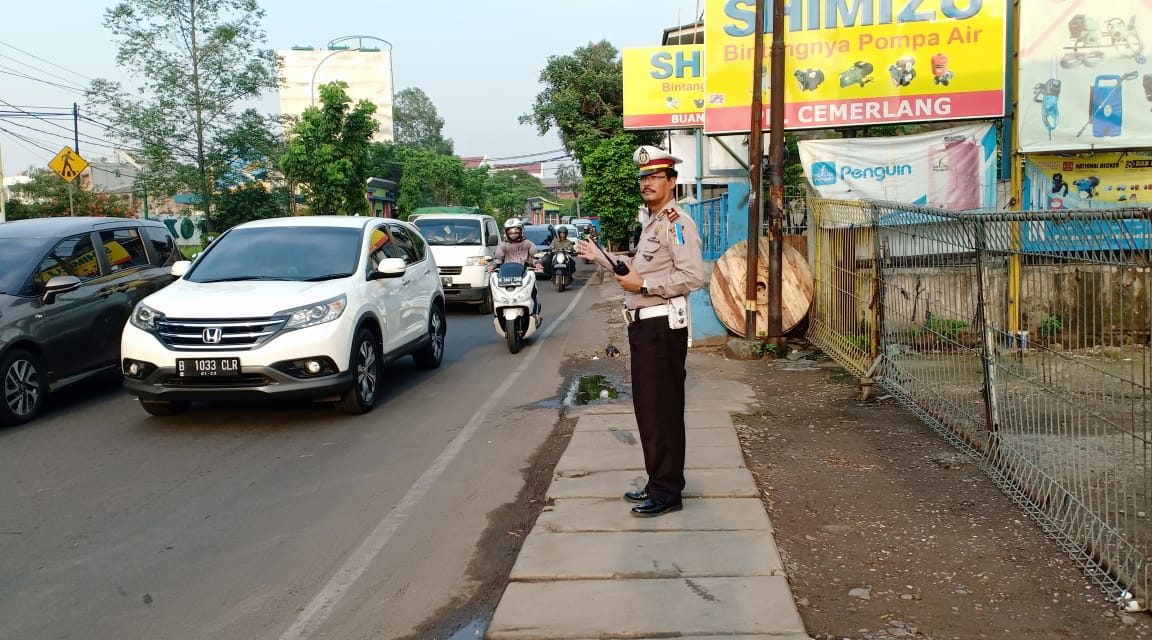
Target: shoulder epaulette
673, 214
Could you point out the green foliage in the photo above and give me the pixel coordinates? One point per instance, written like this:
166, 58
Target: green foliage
386, 160
417, 124
328, 152
583, 99
49, 195
247, 203
610, 189
431, 179
194, 62
763, 347
1051, 326
945, 327
506, 192
17, 210
568, 176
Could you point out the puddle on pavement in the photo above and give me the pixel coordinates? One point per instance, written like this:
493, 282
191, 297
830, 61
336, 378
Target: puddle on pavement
591, 388
471, 631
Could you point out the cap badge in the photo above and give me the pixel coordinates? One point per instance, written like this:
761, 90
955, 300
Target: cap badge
643, 157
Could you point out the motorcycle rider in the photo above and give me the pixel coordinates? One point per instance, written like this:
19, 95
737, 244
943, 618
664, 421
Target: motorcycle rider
561, 241
516, 248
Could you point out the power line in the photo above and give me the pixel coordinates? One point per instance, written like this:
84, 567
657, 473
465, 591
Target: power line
35, 68
9, 71
528, 155
29, 141
32, 55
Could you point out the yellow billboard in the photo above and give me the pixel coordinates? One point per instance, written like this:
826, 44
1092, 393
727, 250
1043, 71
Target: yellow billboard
664, 87
859, 62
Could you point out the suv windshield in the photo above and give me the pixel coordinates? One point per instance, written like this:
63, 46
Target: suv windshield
17, 257
280, 253
441, 232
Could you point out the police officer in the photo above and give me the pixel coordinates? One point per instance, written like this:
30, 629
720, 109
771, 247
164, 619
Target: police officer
667, 266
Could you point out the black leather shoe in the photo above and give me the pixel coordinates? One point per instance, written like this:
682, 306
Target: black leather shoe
636, 496
653, 507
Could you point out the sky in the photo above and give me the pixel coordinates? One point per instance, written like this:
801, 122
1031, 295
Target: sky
478, 60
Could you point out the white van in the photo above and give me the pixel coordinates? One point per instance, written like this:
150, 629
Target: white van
463, 244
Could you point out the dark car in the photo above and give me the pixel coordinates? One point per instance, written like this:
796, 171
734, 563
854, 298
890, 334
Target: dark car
541, 235
67, 286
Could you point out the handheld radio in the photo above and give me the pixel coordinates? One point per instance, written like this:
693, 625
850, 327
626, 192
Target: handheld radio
618, 266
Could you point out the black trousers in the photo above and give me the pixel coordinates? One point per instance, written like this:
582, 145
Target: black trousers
658, 355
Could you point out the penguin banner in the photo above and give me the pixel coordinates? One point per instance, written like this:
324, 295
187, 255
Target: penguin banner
952, 169
1085, 75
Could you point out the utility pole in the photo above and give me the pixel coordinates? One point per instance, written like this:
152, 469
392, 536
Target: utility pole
76, 127
776, 184
755, 175
3, 192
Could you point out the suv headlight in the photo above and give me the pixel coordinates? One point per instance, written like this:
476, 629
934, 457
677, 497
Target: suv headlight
313, 314
476, 261
145, 317
541, 254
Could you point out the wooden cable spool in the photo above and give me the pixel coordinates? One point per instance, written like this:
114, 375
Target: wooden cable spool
728, 286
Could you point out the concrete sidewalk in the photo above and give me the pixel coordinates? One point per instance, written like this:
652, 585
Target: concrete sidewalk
589, 569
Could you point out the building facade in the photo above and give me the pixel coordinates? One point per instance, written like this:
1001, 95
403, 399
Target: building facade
364, 63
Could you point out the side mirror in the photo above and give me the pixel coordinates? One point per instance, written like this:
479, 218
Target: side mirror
57, 285
180, 267
390, 268
493, 241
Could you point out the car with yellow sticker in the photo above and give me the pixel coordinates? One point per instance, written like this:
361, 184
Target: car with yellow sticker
67, 286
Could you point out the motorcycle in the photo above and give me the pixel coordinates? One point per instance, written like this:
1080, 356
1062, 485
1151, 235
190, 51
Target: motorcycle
563, 262
517, 315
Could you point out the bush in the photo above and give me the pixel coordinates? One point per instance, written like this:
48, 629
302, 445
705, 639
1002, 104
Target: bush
1050, 327
946, 327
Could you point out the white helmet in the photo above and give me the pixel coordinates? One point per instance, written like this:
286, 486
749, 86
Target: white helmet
513, 223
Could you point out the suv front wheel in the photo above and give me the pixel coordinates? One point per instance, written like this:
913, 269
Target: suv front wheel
365, 366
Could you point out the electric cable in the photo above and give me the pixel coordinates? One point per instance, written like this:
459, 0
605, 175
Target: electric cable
32, 55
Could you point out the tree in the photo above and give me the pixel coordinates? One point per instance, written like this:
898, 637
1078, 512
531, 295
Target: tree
386, 161
48, 193
196, 61
506, 192
610, 186
431, 179
328, 152
417, 124
568, 176
247, 203
583, 99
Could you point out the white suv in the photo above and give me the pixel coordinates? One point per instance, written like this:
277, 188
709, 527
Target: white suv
307, 306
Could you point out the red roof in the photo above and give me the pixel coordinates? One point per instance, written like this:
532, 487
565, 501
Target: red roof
472, 162
531, 167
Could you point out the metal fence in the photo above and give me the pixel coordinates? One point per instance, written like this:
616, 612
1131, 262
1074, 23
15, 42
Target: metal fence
711, 218
1022, 338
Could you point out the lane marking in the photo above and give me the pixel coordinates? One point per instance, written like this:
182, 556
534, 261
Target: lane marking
323, 603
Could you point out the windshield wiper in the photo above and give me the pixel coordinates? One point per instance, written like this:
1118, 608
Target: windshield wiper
330, 276
242, 278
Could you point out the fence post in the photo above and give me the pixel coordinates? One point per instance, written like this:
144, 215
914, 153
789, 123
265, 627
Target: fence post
877, 287
988, 340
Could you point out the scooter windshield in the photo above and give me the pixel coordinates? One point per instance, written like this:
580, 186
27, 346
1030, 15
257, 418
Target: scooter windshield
512, 270
510, 274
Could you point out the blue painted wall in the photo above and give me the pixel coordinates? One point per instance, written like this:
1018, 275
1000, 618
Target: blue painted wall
706, 327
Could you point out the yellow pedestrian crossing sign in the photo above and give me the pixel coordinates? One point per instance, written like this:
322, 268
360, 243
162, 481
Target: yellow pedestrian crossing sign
68, 164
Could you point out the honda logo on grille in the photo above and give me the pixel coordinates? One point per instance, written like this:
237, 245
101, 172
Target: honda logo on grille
213, 335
